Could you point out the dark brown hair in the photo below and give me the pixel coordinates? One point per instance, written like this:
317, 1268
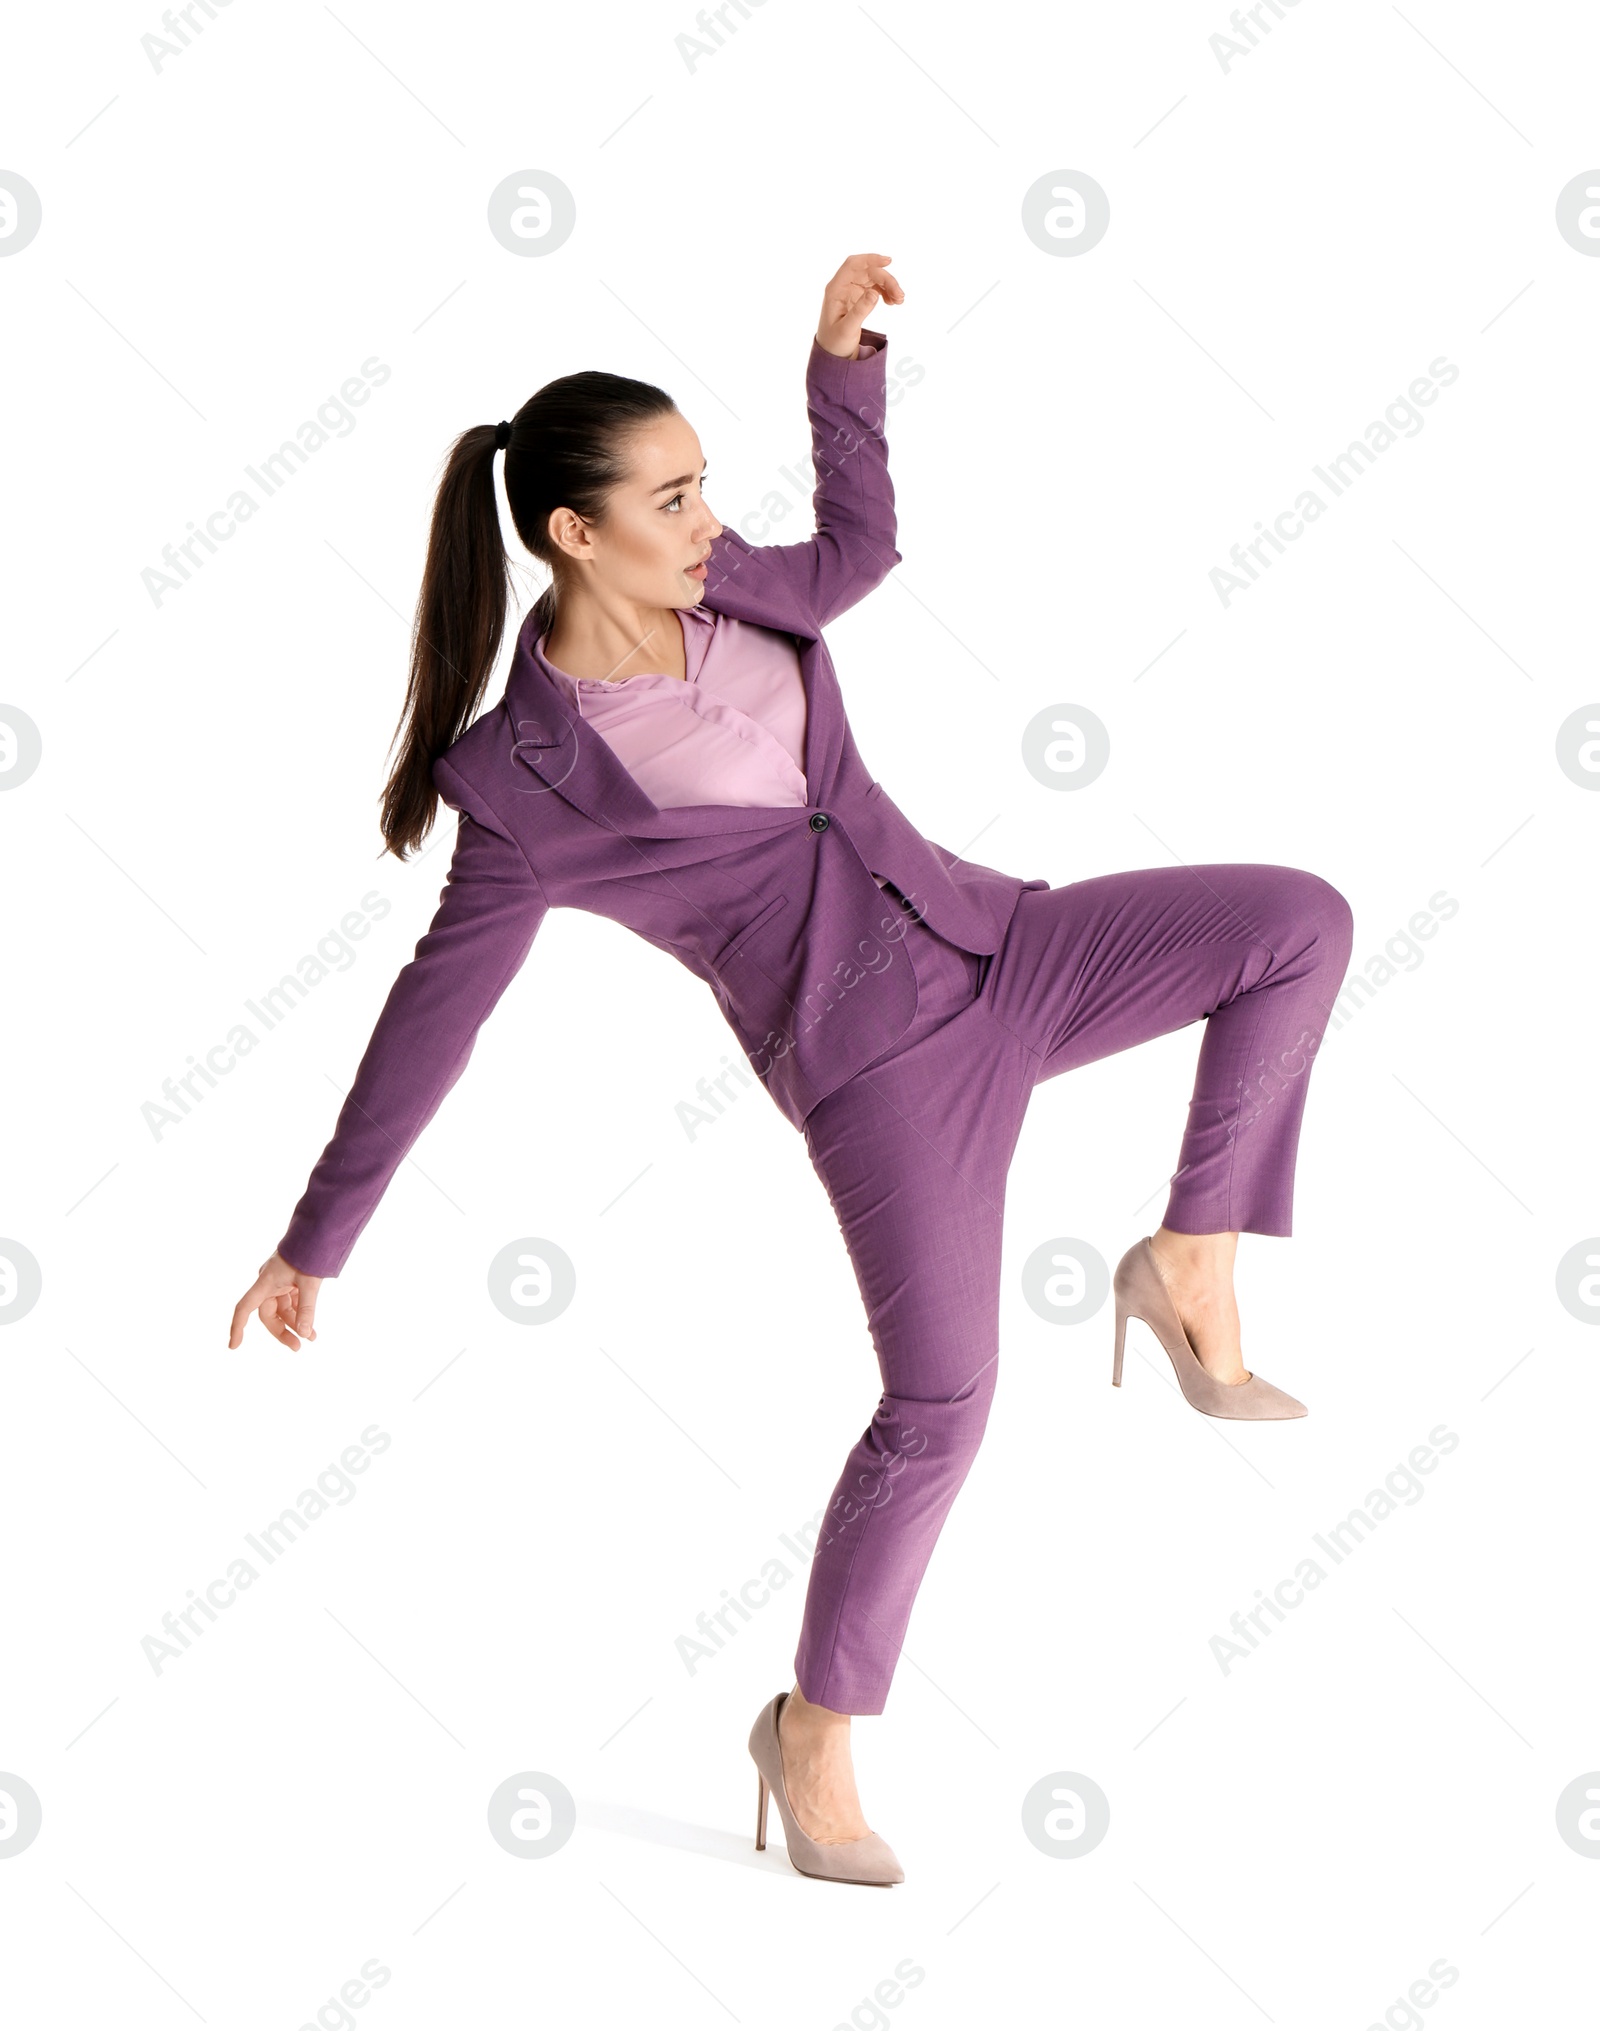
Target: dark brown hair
568, 449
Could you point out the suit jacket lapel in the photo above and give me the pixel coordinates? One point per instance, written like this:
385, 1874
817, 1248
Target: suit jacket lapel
564, 752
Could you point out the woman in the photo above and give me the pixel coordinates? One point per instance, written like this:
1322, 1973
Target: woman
672, 751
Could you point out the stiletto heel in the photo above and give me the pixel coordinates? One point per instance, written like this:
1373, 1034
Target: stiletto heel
867, 1860
1141, 1292
761, 1812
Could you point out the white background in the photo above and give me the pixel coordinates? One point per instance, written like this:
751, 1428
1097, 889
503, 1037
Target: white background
1293, 240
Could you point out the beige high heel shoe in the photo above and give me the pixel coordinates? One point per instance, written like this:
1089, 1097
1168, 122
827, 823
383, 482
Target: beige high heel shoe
868, 1860
1141, 1293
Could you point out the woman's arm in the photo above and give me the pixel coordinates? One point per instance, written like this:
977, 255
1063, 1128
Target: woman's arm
854, 546
490, 910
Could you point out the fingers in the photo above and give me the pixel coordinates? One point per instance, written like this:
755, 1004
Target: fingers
252, 1300
885, 284
303, 1302
863, 281
285, 1304
872, 269
241, 1312
292, 1311
276, 1316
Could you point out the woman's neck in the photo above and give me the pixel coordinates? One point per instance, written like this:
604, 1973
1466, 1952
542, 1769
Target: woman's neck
596, 644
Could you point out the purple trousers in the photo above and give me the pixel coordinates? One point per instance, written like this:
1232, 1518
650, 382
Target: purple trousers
914, 1151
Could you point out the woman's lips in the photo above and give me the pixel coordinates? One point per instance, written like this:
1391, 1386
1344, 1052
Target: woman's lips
696, 570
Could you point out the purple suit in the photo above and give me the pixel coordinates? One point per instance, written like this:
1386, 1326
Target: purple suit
902, 1030
775, 909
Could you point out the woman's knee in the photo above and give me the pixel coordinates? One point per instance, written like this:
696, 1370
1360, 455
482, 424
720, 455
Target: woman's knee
948, 1429
1323, 917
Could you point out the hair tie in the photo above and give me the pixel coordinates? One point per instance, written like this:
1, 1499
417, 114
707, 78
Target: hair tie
502, 436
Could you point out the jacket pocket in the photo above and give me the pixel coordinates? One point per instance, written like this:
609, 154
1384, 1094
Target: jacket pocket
730, 951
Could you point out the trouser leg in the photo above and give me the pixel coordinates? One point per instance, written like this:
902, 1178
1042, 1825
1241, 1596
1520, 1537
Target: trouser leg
1259, 951
913, 1153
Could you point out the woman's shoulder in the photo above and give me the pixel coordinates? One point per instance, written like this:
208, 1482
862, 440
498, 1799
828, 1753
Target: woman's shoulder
470, 753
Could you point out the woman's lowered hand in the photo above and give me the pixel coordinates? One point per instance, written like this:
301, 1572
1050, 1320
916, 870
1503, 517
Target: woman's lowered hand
286, 1300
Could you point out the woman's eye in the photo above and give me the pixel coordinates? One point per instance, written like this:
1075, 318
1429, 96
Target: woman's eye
680, 496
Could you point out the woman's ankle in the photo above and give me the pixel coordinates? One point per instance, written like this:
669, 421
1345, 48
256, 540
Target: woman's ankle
816, 1720
1196, 1260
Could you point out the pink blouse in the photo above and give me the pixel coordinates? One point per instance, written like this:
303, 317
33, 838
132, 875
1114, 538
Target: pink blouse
732, 730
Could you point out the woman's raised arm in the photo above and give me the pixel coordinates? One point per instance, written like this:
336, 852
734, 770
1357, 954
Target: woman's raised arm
854, 546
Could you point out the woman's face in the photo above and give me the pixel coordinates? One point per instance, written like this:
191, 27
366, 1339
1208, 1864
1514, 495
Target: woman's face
658, 526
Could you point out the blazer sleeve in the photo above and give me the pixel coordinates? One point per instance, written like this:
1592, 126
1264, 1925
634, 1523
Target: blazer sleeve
854, 546
489, 912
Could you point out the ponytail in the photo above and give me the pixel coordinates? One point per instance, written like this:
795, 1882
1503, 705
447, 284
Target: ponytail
568, 449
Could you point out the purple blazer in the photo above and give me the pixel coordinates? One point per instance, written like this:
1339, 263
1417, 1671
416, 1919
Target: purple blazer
774, 908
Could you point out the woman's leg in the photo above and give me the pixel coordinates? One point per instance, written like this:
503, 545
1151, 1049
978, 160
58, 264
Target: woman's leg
913, 1153
1261, 953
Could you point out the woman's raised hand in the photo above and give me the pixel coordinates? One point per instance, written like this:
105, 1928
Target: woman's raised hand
862, 283
286, 1300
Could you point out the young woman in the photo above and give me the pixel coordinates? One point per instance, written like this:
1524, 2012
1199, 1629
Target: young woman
672, 752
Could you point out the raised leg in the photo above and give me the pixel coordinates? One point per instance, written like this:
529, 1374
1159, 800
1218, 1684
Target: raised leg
1259, 951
